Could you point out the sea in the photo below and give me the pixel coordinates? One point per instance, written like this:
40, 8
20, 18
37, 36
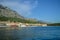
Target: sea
30, 33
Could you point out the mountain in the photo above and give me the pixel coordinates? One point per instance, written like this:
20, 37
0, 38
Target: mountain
7, 12
11, 15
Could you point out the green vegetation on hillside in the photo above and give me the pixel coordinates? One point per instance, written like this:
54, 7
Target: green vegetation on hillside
2, 18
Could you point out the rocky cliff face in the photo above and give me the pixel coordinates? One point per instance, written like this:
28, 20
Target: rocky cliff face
7, 12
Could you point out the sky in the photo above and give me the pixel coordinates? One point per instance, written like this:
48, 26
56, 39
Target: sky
45, 10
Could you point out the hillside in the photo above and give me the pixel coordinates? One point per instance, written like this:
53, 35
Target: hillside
7, 14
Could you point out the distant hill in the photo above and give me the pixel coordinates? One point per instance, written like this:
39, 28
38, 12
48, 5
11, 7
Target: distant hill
54, 24
9, 14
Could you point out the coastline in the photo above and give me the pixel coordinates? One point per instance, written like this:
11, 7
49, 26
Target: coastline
19, 24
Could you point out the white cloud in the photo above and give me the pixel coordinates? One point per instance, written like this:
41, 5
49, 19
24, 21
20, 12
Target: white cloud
23, 7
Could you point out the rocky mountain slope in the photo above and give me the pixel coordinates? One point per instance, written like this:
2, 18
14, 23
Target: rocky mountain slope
9, 14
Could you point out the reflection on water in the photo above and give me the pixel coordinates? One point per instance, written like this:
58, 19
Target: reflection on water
30, 33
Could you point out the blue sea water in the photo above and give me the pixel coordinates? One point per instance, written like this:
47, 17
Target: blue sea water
31, 33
